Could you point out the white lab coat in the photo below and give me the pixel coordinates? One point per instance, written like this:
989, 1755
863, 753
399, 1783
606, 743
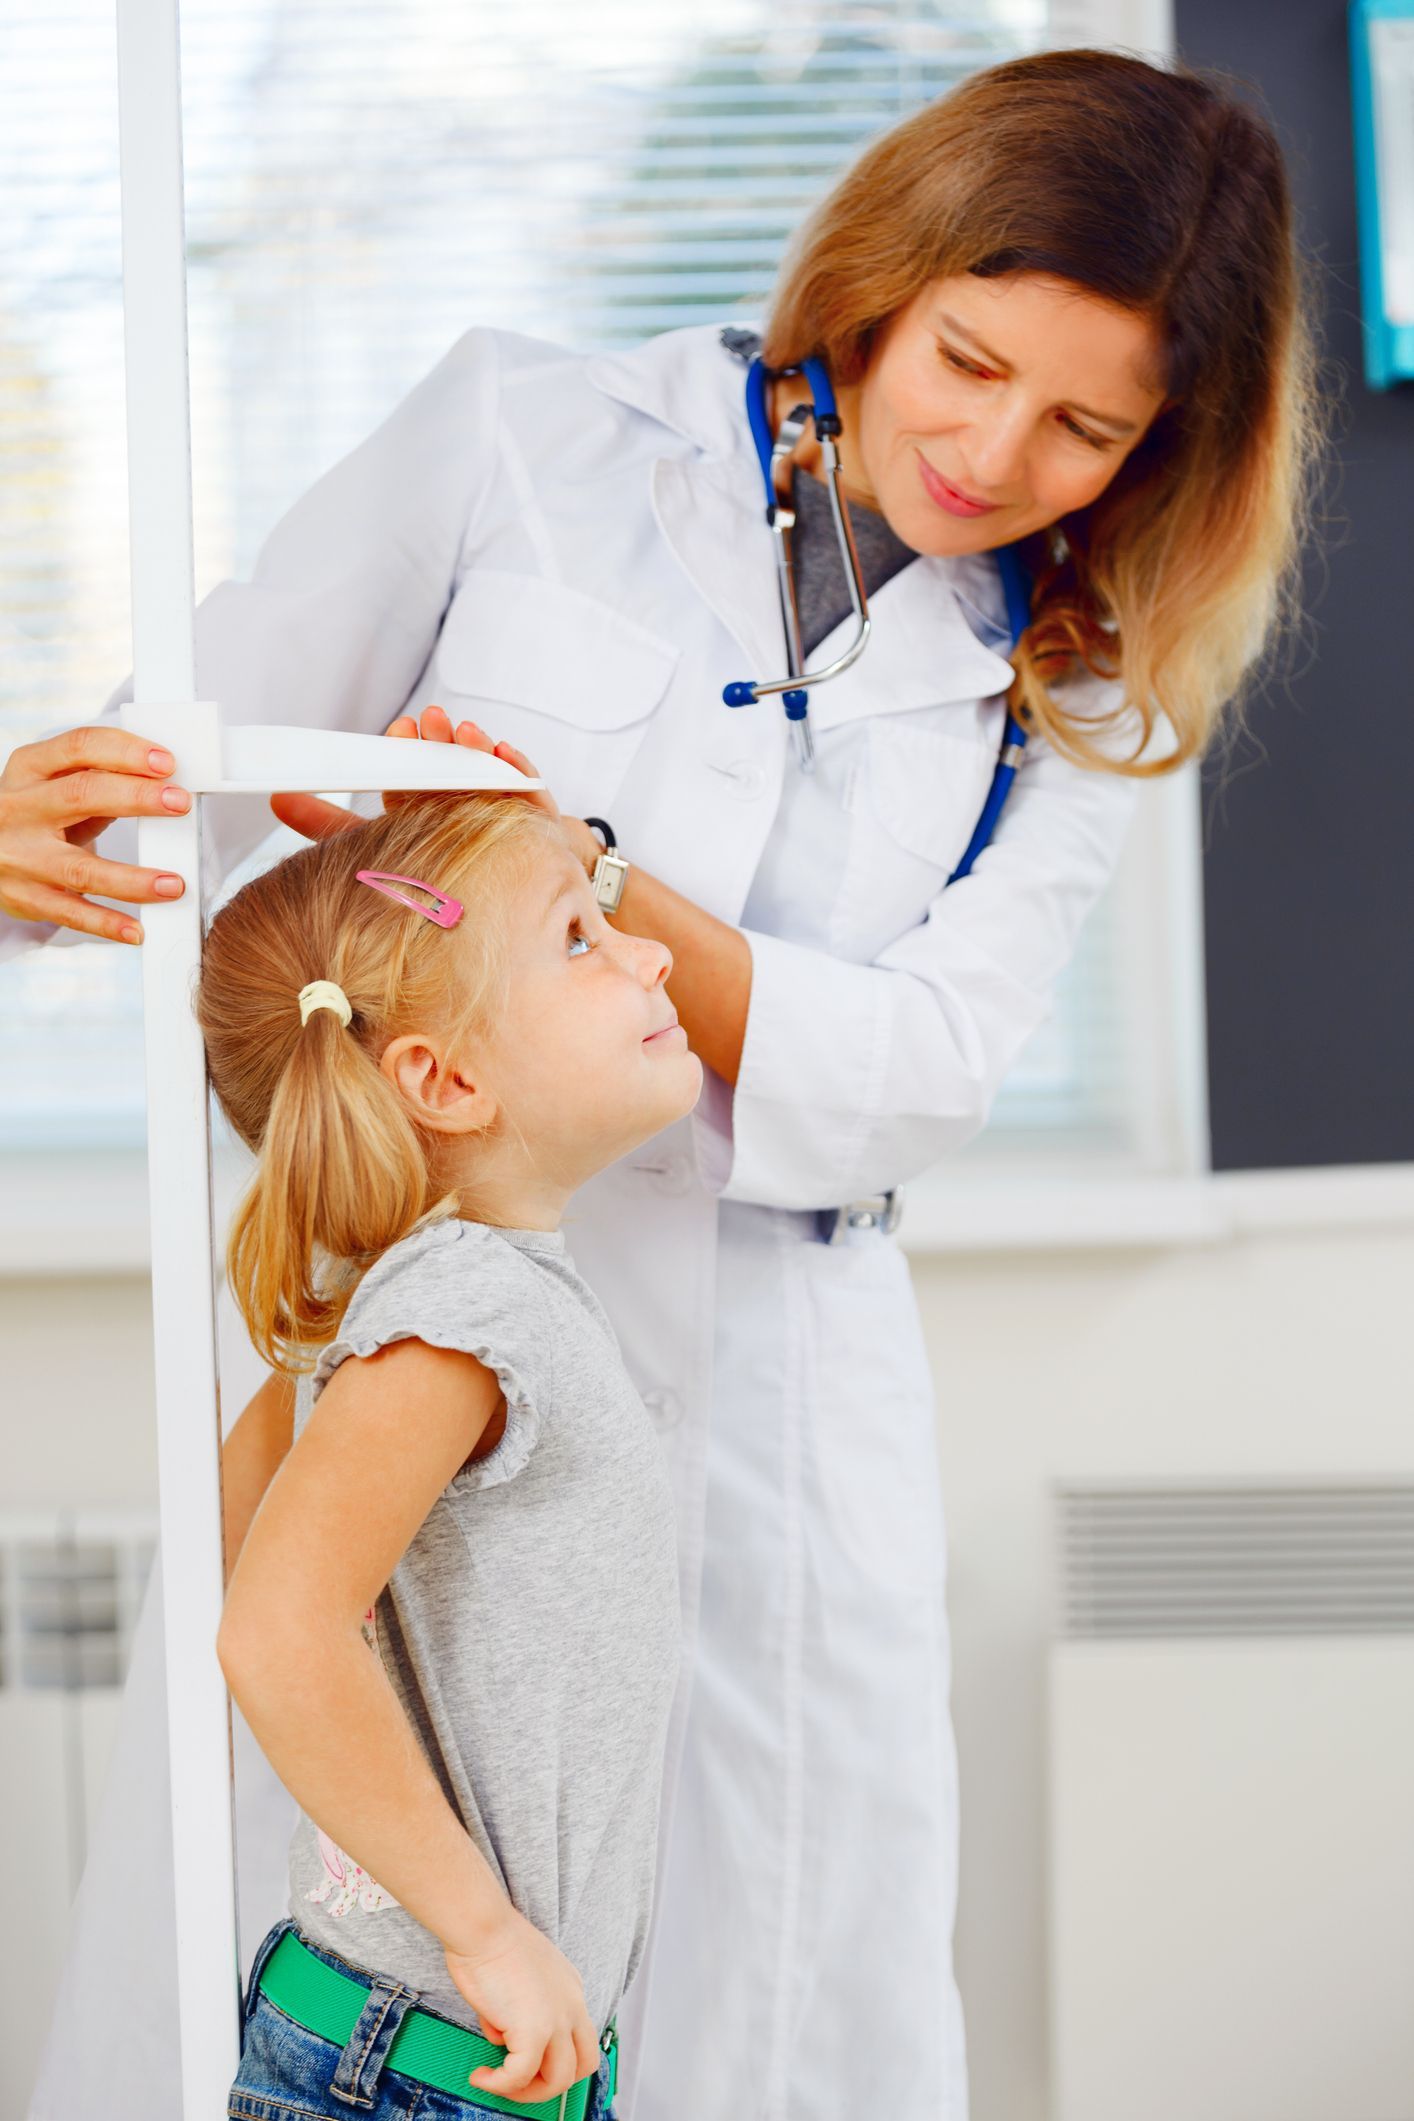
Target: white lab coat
572, 551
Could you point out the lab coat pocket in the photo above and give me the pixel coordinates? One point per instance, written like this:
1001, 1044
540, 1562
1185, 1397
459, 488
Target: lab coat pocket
874, 1422
916, 796
926, 787
569, 680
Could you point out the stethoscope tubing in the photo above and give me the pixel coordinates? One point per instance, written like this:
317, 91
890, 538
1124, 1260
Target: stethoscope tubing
774, 453
1017, 589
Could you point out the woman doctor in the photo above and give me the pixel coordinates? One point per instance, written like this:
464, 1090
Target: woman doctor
1060, 309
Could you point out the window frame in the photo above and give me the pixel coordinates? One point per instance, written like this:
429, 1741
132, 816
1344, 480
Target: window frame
1156, 900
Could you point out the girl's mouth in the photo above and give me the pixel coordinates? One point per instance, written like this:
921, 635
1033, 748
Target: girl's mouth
666, 1031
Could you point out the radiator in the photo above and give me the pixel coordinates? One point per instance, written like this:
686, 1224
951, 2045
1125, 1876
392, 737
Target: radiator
70, 1586
1231, 1803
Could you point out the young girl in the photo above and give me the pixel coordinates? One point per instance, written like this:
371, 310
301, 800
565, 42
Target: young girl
453, 1624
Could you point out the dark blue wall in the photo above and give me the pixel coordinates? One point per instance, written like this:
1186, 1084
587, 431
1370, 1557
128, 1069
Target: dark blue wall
1309, 830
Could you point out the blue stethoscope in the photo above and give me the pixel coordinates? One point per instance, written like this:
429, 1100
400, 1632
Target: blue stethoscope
776, 452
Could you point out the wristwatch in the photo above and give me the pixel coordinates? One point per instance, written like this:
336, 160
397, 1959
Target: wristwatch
610, 869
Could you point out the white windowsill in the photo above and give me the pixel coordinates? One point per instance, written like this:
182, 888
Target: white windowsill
990, 1213
87, 1214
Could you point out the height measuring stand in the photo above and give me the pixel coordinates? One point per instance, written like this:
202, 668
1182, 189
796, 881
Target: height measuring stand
210, 759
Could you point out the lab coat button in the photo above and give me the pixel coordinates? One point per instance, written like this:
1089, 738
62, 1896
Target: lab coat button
665, 1408
748, 779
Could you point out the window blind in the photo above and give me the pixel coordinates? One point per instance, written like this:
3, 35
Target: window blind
365, 181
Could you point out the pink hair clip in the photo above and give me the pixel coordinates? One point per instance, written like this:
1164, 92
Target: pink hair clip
446, 912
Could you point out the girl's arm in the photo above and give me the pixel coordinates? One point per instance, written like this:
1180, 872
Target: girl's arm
388, 1433
251, 1457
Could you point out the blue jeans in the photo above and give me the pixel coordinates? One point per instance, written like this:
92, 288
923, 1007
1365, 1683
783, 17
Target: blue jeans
288, 2074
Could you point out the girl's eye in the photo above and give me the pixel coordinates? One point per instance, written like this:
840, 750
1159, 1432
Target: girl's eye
577, 935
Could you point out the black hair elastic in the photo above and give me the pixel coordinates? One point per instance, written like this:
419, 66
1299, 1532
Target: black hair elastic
601, 824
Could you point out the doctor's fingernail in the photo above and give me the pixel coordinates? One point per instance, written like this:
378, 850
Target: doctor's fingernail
161, 761
175, 799
168, 887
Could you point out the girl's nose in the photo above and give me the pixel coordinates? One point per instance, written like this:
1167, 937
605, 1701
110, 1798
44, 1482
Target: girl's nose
655, 961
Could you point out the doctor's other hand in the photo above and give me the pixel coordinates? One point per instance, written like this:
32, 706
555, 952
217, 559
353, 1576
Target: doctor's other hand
316, 819
55, 799
530, 2002
437, 729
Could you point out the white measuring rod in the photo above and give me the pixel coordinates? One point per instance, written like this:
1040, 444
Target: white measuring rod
210, 759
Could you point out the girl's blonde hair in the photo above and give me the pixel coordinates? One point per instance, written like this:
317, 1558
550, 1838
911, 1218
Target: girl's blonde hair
343, 1169
1161, 193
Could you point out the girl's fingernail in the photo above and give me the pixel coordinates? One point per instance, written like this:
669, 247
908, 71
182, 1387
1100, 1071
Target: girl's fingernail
168, 887
161, 761
176, 799
130, 932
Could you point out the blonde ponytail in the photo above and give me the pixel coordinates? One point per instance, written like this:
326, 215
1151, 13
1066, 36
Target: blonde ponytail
342, 1175
343, 1170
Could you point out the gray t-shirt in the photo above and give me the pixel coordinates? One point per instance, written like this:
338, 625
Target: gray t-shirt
531, 1631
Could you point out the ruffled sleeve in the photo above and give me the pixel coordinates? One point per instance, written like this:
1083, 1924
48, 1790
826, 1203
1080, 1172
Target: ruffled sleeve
459, 1285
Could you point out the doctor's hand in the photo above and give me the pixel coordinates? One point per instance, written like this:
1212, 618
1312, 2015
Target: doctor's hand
55, 799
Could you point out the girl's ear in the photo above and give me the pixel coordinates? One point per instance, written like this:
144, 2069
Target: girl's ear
438, 1091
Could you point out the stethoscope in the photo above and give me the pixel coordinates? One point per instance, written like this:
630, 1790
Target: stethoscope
775, 453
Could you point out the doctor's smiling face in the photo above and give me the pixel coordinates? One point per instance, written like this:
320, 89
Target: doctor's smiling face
994, 407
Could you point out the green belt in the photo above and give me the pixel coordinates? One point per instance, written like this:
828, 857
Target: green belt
432, 2050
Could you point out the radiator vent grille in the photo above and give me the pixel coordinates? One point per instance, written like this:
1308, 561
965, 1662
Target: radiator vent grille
70, 1589
1187, 1560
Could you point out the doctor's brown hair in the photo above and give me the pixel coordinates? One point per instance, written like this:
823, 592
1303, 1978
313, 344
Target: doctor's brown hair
343, 1169
1162, 193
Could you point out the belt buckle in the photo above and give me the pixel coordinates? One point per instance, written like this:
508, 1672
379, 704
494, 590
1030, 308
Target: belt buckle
880, 1211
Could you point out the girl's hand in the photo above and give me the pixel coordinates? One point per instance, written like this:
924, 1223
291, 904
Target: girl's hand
530, 2002
55, 799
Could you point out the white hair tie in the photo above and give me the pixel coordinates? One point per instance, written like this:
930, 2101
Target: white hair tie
324, 994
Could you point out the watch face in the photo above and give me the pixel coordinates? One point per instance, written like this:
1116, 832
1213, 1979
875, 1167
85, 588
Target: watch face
609, 873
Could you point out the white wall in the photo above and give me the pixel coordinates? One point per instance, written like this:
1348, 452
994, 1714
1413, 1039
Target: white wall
1274, 1354
76, 1402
